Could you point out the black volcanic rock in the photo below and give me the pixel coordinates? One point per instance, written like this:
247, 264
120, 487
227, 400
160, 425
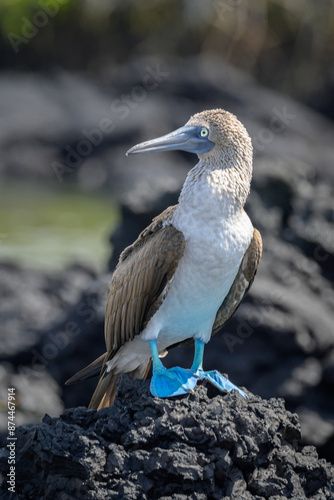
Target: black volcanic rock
31, 300
280, 342
199, 446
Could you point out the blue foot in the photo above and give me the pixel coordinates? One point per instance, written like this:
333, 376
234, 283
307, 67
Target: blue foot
216, 378
172, 382
219, 381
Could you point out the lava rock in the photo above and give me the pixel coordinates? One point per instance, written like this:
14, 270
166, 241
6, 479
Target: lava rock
197, 446
280, 341
31, 300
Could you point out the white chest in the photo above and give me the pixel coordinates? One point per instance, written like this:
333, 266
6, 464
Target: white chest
216, 241
208, 268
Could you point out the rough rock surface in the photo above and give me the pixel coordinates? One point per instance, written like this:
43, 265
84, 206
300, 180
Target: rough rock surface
32, 300
198, 447
280, 343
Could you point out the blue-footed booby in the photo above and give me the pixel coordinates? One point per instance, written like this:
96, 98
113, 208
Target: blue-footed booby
188, 271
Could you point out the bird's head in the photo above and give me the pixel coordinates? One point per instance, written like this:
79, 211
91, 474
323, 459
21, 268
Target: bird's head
222, 145
211, 135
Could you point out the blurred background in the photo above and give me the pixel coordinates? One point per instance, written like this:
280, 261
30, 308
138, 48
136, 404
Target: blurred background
80, 83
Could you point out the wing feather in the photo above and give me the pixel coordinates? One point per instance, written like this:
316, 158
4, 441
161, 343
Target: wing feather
143, 272
242, 282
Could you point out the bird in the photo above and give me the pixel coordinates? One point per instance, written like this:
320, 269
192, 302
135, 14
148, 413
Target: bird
187, 272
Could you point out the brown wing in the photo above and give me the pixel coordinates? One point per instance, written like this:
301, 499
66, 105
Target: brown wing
135, 292
242, 282
144, 270
136, 288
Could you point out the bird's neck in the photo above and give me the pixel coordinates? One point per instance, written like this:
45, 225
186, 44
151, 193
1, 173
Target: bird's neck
213, 185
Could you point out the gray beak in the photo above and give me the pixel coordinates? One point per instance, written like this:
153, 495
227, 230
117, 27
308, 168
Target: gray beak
186, 138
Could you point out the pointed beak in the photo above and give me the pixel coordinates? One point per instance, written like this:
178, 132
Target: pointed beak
186, 138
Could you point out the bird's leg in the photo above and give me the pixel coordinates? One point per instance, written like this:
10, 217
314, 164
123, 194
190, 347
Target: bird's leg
216, 378
168, 382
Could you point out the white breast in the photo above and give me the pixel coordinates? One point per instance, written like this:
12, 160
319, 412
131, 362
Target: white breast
217, 237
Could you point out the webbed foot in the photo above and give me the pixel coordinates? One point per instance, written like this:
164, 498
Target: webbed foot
175, 381
219, 381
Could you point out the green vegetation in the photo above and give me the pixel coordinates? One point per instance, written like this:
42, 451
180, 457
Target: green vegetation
14, 12
286, 45
50, 229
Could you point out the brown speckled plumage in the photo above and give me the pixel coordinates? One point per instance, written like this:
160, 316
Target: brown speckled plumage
143, 276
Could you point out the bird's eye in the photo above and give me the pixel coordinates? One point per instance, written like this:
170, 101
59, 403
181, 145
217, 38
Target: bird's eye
204, 132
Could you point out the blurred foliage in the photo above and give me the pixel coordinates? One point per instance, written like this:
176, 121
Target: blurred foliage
286, 45
51, 229
13, 11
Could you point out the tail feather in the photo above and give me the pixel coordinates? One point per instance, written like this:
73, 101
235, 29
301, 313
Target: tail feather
105, 392
89, 371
